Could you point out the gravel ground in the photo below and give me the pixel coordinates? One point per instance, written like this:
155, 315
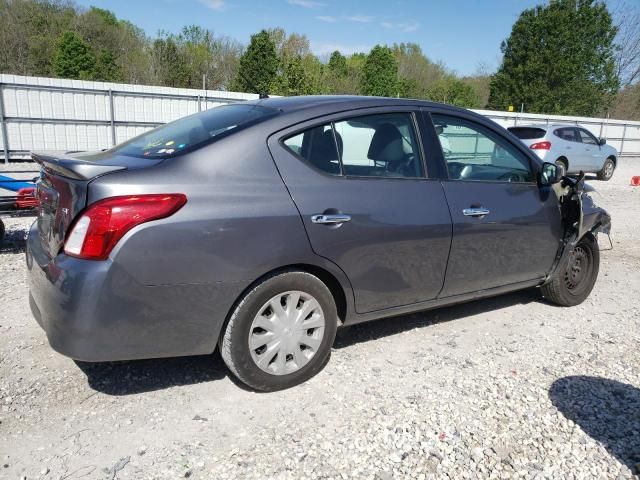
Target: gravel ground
509, 387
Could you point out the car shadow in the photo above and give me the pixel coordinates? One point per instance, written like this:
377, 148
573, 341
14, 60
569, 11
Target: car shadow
141, 376
606, 410
14, 241
365, 332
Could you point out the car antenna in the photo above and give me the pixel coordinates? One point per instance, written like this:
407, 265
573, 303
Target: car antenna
261, 95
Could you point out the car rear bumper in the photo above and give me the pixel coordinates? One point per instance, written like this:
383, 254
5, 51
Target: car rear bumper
95, 311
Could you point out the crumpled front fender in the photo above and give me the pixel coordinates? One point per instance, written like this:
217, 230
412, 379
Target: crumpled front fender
580, 217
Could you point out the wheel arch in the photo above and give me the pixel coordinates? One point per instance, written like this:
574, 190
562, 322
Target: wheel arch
328, 278
564, 160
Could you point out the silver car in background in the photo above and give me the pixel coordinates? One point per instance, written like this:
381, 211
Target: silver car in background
572, 147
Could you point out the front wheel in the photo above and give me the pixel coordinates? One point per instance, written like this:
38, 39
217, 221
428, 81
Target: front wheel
281, 332
572, 283
607, 170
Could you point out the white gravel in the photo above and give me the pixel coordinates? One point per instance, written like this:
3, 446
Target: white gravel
509, 387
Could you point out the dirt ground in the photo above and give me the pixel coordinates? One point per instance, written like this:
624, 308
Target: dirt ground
509, 387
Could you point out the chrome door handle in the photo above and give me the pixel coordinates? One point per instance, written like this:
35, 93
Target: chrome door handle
330, 219
475, 212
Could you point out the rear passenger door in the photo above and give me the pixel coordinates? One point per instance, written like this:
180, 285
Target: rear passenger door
367, 204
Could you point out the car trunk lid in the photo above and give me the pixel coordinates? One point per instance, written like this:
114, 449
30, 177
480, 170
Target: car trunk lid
63, 186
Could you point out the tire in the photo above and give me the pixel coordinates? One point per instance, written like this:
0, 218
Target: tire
563, 166
573, 282
2, 232
607, 170
254, 321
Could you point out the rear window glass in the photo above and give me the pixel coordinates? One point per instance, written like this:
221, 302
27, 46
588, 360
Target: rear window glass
527, 133
194, 131
381, 145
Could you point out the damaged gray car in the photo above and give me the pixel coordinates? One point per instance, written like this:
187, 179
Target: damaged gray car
261, 227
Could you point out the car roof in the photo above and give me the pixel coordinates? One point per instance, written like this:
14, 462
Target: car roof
291, 104
544, 125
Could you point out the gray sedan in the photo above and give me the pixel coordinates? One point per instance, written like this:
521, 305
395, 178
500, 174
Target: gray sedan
261, 227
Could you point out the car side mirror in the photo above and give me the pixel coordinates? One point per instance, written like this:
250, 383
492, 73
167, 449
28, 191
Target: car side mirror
549, 174
602, 141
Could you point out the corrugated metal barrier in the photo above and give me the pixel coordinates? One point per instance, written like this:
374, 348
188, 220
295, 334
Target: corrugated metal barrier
58, 114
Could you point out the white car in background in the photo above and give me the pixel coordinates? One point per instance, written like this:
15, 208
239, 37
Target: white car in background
572, 147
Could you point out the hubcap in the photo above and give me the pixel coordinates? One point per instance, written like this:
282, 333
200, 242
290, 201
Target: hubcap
286, 333
577, 275
608, 169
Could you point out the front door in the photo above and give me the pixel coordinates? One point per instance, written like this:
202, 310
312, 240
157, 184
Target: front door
359, 183
505, 229
593, 160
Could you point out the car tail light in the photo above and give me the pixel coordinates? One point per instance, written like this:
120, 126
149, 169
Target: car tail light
97, 230
541, 146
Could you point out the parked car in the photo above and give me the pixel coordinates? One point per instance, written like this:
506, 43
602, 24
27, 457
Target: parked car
262, 226
572, 148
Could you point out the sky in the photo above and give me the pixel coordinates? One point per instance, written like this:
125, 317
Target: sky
464, 34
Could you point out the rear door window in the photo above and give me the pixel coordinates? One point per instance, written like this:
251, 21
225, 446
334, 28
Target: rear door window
569, 134
318, 147
380, 145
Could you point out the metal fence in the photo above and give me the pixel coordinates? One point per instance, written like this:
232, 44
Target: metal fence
58, 114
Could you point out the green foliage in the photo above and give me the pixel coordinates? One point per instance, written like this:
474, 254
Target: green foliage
338, 64
74, 58
169, 63
453, 91
258, 65
106, 69
294, 79
559, 59
380, 73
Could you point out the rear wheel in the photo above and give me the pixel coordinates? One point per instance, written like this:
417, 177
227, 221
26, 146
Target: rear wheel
281, 332
607, 169
573, 283
563, 166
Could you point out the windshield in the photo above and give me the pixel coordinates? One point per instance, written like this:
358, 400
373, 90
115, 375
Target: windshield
194, 131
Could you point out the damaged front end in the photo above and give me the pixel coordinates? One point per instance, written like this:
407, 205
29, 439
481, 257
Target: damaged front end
580, 217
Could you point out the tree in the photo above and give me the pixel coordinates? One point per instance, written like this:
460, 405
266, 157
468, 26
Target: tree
258, 65
627, 103
294, 80
628, 43
416, 72
380, 73
169, 65
558, 59
338, 64
74, 58
106, 69
453, 91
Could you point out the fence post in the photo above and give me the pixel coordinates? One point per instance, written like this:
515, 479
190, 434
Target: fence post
112, 119
624, 134
3, 126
